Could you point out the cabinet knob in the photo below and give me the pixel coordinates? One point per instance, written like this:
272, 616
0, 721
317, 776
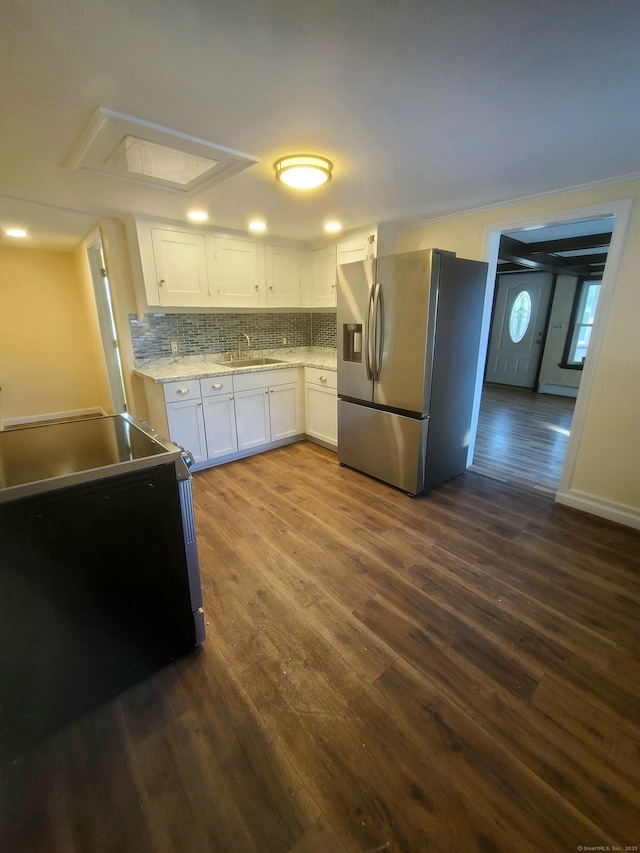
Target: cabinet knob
256, 286
199, 402
322, 378
270, 287
217, 385
231, 397
161, 282
266, 390
182, 391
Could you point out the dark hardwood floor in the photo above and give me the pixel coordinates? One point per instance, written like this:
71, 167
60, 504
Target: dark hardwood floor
456, 672
522, 436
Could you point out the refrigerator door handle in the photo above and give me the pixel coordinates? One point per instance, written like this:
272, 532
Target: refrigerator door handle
369, 335
379, 330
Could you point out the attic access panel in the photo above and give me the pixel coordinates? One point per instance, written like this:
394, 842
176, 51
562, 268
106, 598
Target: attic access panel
135, 150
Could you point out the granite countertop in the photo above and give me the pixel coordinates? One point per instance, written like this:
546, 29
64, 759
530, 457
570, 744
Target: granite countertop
176, 368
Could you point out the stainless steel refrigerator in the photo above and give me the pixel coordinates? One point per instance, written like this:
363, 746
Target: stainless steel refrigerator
408, 343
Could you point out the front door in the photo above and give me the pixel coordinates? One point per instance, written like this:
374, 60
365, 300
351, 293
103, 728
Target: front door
517, 330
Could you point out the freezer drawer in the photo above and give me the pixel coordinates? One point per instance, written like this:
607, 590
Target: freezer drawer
387, 446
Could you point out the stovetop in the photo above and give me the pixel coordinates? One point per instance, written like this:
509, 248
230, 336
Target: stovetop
40, 458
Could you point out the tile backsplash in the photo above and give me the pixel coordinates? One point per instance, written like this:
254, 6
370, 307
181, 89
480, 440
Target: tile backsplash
198, 334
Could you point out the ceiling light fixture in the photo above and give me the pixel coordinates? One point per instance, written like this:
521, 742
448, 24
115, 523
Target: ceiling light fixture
303, 171
332, 227
257, 225
15, 232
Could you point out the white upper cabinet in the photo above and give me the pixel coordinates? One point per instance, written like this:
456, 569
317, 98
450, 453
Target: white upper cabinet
181, 272
176, 266
169, 265
358, 247
236, 274
322, 291
284, 271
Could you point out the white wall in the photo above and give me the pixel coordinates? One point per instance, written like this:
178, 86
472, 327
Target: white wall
554, 378
602, 472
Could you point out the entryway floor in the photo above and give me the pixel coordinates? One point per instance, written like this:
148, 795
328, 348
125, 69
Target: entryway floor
522, 436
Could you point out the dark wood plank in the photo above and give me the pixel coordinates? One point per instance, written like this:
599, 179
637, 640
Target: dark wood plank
458, 671
522, 436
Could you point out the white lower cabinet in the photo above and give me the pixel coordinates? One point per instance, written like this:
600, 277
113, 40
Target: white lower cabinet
321, 421
219, 411
185, 423
225, 416
268, 407
252, 418
285, 411
200, 417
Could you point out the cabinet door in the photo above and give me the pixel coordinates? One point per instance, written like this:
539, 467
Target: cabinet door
321, 411
323, 278
220, 425
358, 248
285, 411
252, 418
284, 271
181, 268
186, 427
236, 282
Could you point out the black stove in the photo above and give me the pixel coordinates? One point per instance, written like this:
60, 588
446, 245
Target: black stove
51, 456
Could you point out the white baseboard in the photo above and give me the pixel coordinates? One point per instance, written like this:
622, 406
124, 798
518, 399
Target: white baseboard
558, 390
51, 416
605, 509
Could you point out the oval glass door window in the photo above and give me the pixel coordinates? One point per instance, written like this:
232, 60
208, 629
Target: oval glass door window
520, 316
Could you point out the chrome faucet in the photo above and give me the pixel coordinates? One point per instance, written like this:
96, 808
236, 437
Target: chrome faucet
246, 337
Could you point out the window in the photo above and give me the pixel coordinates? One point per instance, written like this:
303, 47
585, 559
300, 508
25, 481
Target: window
520, 316
584, 313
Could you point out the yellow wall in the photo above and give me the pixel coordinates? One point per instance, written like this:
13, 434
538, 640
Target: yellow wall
50, 358
606, 467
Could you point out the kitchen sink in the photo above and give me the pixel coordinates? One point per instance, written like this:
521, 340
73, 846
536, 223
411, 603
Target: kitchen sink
252, 362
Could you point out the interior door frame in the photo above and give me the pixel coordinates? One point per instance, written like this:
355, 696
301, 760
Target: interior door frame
94, 255
621, 210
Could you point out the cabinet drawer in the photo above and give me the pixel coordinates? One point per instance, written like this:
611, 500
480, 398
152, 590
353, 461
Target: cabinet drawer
216, 385
326, 378
264, 378
186, 390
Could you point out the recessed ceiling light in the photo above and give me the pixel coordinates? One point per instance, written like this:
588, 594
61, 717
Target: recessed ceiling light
303, 171
257, 225
332, 227
197, 216
15, 232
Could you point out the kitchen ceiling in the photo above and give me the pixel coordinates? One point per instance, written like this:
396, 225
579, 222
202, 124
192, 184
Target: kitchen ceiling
424, 107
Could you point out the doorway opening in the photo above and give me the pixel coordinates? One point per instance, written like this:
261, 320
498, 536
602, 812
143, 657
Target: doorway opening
530, 403
107, 324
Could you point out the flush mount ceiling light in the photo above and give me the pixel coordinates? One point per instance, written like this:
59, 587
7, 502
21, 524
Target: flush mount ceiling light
15, 232
332, 227
126, 147
257, 225
303, 171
